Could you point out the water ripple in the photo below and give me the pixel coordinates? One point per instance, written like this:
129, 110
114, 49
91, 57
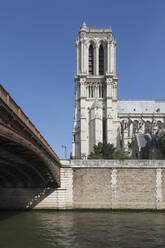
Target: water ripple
82, 229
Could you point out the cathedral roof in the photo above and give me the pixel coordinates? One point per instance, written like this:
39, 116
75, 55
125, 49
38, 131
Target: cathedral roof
141, 106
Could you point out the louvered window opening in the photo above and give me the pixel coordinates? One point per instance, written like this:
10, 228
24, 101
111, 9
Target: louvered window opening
91, 60
101, 60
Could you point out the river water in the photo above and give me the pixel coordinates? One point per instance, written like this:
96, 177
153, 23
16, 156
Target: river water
82, 229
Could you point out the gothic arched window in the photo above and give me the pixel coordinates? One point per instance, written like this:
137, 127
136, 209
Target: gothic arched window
135, 126
148, 127
101, 60
159, 125
91, 60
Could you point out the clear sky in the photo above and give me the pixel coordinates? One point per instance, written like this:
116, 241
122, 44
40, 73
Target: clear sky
37, 55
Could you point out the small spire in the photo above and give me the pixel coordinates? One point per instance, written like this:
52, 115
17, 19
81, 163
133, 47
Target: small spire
83, 27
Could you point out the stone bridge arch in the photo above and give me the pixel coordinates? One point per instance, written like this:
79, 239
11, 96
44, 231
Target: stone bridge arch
29, 168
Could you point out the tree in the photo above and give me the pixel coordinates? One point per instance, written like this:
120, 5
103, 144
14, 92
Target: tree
107, 151
98, 152
118, 154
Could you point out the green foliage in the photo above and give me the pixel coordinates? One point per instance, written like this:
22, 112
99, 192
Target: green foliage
98, 149
118, 154
107, 151
161, 142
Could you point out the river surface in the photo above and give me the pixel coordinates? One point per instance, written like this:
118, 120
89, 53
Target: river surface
82, 229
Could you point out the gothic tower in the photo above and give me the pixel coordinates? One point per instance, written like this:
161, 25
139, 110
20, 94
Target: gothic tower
96, 91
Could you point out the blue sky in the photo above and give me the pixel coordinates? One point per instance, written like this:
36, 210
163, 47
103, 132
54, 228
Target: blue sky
37, 55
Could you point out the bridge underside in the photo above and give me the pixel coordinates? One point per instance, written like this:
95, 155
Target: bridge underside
29, 168
21, 167
25, 179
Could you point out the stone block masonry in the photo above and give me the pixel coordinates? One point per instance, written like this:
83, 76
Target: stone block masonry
61, 198
40, 198
97, 184
118, 184
109, 184
92, 188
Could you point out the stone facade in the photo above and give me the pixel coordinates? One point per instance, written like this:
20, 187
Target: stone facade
96, 87
99, 115
138, 119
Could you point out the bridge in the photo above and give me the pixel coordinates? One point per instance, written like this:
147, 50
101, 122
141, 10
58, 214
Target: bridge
26, 159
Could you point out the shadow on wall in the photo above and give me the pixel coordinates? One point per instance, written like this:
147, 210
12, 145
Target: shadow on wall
22, 198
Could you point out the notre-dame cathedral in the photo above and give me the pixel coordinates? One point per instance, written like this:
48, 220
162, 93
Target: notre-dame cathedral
99, 115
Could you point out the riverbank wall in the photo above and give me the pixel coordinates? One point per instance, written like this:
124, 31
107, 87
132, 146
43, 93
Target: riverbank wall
96, 184
109, 184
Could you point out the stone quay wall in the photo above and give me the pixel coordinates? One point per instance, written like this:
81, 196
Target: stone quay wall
109, 184
96, 184
40, 198
61, 198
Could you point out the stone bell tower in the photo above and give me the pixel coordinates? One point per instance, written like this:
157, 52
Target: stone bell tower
96, 91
